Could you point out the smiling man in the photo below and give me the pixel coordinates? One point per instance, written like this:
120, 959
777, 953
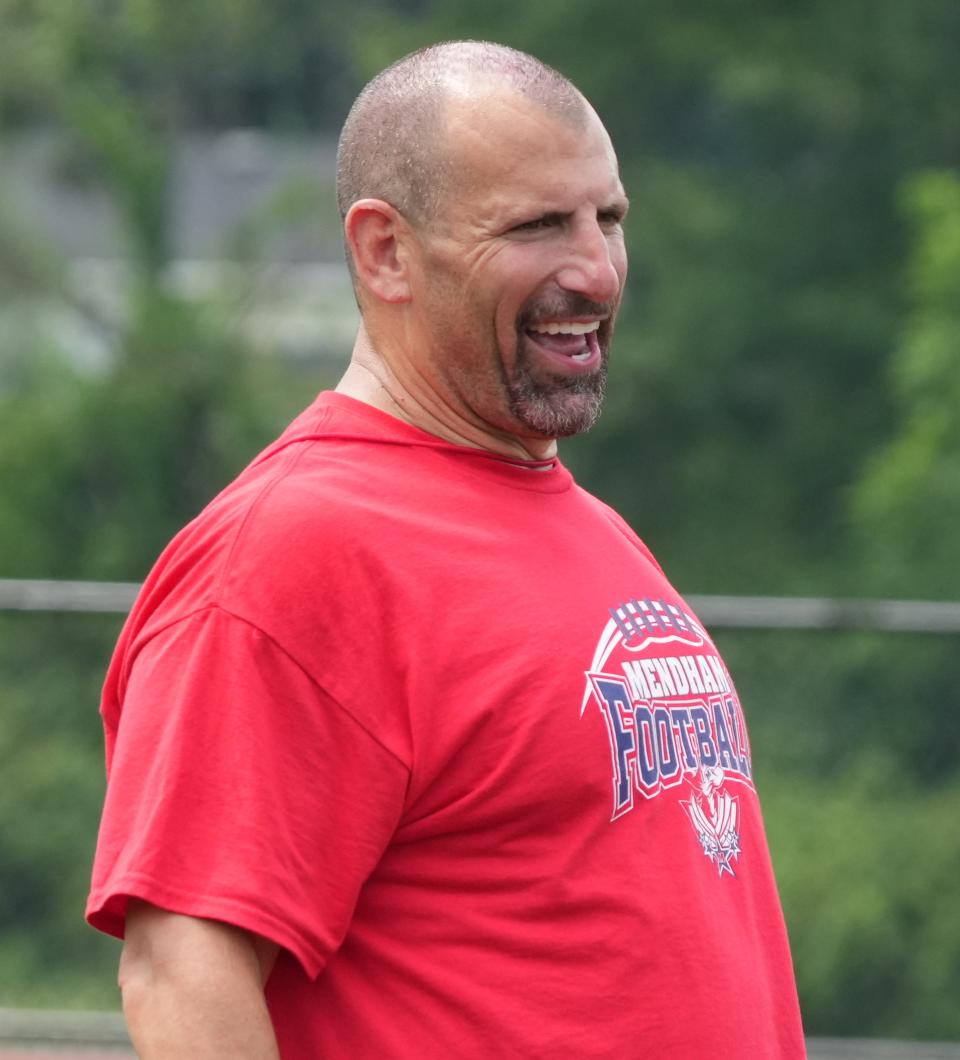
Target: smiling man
413, 750
491, 304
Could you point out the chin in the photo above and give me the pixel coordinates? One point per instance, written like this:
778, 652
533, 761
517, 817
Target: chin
555, 406
552, 412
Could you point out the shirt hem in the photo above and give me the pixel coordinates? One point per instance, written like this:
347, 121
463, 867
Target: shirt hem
106, 912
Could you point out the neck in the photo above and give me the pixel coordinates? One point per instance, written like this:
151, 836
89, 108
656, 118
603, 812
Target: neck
369, 378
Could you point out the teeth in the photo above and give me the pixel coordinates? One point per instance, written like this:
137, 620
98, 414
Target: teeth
565, 329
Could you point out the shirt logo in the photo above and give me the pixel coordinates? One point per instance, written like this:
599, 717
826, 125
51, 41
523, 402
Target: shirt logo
714, 815
673, 720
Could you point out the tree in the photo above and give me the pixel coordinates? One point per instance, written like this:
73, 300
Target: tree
909, 500
99, 468
781, 416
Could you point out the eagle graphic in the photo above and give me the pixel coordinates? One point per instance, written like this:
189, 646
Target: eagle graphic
714, 814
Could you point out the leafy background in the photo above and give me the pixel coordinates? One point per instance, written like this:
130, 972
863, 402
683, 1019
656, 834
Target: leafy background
782, 419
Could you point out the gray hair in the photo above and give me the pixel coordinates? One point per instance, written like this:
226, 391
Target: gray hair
391, 147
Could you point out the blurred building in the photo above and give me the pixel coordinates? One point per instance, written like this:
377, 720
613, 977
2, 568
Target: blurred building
250, 222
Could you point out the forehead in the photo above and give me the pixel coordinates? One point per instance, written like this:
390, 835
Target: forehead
505, 151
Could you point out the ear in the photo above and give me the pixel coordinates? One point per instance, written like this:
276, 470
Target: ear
374, 232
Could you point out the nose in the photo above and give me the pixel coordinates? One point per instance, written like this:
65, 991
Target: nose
595, 264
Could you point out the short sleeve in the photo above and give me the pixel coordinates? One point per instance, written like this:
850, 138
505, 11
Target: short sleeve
240, 791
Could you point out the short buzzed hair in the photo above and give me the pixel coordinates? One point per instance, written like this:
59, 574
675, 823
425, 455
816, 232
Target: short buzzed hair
391, 147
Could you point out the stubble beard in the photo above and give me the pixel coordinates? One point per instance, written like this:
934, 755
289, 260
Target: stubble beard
555, 406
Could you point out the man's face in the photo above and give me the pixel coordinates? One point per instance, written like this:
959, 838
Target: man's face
518, 278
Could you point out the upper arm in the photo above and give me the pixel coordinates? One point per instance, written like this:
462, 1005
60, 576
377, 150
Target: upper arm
194, 987
160, 942
233, 778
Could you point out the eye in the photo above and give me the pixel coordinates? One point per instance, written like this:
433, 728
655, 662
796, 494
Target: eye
548, 220
609, 218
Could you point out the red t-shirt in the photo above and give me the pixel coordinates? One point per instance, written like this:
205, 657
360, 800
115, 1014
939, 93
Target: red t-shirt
438, 725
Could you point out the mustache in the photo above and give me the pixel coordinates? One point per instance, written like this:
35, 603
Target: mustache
562, 307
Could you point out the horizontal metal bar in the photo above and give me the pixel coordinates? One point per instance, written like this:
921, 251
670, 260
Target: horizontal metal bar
37, 595
879, 1049
789, 612
36, 1027
717, 612
61, 1030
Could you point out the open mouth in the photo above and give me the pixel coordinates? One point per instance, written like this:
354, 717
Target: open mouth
573, 341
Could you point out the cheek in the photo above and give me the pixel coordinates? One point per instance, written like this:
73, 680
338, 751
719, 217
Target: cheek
508, 337
618, 257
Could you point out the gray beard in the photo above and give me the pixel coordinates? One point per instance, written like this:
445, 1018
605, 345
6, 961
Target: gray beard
560, 406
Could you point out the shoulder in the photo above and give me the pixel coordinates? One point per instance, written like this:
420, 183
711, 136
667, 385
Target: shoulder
618, 523
273, 534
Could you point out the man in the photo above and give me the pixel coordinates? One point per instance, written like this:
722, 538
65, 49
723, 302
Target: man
363, 720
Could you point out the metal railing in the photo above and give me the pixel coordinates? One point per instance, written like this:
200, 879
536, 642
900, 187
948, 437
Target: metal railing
78, 1033
730, 612
62, 1032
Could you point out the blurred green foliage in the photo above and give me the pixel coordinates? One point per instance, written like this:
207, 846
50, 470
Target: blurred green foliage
782, 415
51, 756
911, 486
